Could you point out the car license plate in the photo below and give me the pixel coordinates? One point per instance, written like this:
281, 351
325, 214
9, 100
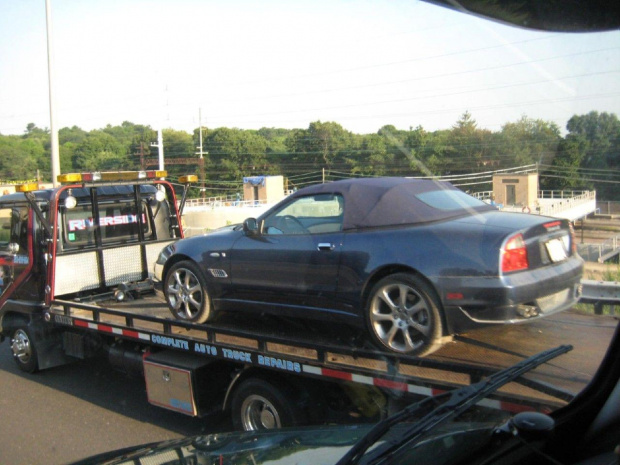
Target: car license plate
556, 250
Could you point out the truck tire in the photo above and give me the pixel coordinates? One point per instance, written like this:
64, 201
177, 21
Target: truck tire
186, 293
404, 316
24, 350
260, 405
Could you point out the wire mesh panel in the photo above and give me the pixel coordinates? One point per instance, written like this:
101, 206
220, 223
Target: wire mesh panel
75, 273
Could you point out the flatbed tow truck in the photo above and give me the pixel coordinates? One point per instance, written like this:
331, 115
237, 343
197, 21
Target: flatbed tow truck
76, 281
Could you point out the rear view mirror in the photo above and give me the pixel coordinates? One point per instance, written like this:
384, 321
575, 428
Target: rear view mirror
250, 226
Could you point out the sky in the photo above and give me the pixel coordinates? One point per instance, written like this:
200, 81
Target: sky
276, 63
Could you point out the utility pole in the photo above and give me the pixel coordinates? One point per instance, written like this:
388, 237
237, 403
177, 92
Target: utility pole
160, 148
55, 146
141, 155
201, 154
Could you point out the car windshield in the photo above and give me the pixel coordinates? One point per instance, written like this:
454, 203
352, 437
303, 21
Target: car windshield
408, 199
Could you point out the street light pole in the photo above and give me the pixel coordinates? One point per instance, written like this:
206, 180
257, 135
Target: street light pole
55, 146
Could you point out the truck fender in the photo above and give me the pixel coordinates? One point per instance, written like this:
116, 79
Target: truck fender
10, 321
235, 380
48, 342
252, 372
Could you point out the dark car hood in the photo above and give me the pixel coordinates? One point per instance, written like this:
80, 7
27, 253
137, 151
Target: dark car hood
221, 239
311, 445
299, 445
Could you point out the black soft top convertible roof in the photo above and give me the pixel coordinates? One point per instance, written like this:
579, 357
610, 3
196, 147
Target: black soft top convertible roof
377, 202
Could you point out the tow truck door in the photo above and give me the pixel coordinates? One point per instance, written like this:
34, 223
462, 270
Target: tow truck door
15, 249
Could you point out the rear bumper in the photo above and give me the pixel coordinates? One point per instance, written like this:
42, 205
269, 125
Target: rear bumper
515, 298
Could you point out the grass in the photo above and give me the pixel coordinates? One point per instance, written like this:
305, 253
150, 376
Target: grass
607, 272
611, 274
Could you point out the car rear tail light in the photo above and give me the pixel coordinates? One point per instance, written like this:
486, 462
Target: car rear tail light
514, 255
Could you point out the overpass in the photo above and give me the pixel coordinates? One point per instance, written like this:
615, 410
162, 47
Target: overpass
570, 205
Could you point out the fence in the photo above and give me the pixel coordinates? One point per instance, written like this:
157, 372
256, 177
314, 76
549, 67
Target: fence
226, 201
608, 207
219, 202
599, 252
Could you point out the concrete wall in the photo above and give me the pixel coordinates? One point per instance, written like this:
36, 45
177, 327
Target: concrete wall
200, 220
525, 189
271, 192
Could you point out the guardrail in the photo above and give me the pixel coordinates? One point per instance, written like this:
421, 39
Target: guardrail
600, 293
219, 202
565, 203
543, 194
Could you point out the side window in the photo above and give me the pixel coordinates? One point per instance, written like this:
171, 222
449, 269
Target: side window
5, 228
13, 244
14, 229
307, 215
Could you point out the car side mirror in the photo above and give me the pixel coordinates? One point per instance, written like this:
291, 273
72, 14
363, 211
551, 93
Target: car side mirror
250, 227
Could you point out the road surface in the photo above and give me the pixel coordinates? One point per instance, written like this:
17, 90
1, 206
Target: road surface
70, 412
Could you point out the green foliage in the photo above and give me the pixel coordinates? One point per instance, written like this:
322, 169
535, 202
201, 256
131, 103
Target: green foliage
373, 158
468, 147
591, 143
566, 164
234, 153
322, 145
18, 158
530, 141
99, 151
590, 150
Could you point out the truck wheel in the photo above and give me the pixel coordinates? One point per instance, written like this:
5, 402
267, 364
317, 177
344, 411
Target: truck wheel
186, 293
403, 315
260, 405
24, 351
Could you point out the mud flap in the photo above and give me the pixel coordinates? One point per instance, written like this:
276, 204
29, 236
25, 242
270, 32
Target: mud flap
49, 346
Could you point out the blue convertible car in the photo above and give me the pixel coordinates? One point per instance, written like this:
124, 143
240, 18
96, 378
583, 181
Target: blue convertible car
410, 260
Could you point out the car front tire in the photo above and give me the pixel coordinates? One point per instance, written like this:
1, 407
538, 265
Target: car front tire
403, 315
186, 293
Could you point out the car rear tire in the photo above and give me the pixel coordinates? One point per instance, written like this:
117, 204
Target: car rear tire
24, 350
403, 315
259, 405
186, 293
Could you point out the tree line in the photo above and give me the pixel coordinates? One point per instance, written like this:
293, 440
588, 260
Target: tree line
586, 157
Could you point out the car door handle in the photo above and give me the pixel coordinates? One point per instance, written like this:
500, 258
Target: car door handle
326, 246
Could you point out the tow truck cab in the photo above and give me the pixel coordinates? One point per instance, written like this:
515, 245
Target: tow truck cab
96, 234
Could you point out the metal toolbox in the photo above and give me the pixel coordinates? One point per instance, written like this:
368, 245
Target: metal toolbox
172, 381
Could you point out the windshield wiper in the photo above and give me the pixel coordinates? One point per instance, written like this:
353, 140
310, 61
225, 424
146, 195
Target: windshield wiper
457, 402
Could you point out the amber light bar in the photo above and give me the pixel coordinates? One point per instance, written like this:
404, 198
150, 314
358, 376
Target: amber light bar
110, 176
28, 187
188, 179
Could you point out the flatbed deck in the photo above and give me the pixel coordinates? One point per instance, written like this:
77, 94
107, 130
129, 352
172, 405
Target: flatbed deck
342, 353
